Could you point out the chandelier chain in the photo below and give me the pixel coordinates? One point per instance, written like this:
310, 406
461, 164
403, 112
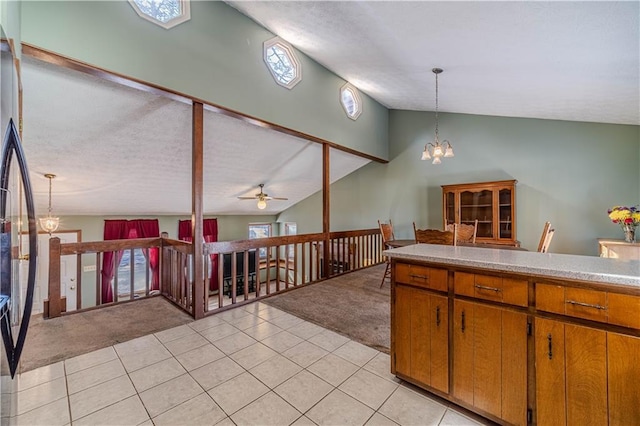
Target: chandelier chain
50, 196
437, 138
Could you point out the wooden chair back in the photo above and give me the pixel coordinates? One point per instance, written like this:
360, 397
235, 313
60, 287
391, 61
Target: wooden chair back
434, 236
464, 233
545, 238
386, 229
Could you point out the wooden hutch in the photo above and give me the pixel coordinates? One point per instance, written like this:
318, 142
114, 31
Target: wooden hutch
491, 203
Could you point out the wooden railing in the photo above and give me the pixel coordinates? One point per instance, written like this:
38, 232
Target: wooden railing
244, 270
261, 267
55, 305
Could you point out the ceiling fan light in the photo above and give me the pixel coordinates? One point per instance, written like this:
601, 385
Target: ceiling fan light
437, 152
262, 204
436, 160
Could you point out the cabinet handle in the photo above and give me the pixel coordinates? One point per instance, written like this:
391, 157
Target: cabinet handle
422, 277
550, 339
586, 305
483, 287
463, 321
438, 316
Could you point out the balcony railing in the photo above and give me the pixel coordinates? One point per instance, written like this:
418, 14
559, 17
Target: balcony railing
235, 272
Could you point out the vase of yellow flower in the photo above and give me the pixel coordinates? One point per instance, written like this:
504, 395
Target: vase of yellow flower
628, 218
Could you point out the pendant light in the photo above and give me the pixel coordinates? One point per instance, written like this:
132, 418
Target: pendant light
435, 149
49, 223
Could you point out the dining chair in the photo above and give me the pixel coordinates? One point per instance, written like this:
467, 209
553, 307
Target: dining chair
464, 233
386, 230
545, 238
434, 236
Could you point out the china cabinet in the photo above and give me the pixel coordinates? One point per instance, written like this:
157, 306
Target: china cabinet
491, 203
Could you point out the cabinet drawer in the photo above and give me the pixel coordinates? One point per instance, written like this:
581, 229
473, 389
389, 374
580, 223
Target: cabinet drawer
587, 304
422, 276
595, 305
624, 310
488, 287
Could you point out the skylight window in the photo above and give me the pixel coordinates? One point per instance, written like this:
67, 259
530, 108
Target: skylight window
282, 62
350, 101
166, 13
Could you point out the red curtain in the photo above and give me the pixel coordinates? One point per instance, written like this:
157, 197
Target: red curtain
184, 230
149, 228
113, 230
210, 234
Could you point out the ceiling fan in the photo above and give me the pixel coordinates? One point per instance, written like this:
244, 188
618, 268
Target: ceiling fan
262, 198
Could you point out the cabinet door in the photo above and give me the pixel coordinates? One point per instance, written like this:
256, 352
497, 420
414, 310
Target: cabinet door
449, 208
463, 351
550, 379
439, 325
586, 370
402, 330
505, 213
514, 368
478, 205
487, 359
420, 337
623, 376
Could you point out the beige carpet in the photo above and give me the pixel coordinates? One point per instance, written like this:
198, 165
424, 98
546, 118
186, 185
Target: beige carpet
56, 339
353, 305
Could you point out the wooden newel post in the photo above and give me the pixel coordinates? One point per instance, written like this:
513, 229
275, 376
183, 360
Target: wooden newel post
54, 302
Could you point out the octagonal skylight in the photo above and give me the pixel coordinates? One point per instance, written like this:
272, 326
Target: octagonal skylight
350, 101
166, 13
282, 62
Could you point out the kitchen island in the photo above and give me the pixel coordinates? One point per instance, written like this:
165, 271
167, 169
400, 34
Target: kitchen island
519, 337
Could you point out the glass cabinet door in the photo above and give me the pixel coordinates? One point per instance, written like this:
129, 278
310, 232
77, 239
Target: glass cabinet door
506, 221
450, 200
478, 205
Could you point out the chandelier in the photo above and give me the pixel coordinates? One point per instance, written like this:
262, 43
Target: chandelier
49, 223
435, 149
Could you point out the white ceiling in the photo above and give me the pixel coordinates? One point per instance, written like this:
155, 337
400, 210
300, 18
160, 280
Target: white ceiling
121, 151
577, 61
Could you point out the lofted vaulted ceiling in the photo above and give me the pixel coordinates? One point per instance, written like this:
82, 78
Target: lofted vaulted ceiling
121, 151
576, 60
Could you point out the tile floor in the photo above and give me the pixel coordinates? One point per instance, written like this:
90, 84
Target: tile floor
253, 365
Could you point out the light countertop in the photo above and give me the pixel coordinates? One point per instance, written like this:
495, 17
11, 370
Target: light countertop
619, 272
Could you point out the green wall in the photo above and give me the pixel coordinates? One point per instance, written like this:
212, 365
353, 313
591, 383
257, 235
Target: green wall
216, 56
568, 173
10, 12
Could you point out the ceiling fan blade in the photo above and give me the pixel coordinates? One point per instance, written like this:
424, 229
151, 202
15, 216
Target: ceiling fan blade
278, 198
246, 198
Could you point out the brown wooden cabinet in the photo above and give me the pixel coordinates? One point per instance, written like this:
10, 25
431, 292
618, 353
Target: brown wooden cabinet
489, 360
491, 203
585, 375
422, 337
518, 348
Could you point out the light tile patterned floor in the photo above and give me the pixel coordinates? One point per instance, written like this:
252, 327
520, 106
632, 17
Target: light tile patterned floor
253, 365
